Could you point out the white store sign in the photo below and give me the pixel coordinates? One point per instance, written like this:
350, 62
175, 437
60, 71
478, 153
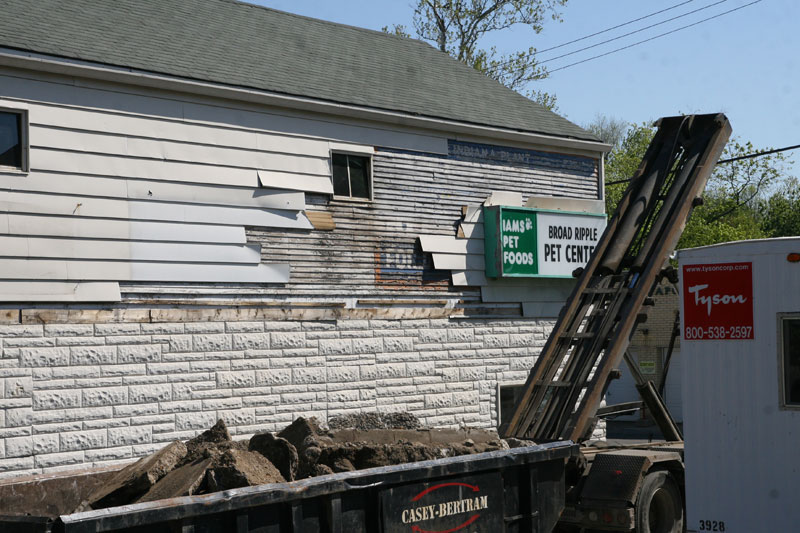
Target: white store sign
566, 241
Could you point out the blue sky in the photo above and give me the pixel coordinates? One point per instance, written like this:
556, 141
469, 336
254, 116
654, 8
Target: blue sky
744, 63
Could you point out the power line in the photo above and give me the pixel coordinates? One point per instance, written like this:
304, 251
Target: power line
633, 32
614, 27
653, 38
758, 154
731, 160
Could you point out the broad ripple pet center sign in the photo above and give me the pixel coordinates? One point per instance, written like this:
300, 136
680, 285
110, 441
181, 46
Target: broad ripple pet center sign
524, 242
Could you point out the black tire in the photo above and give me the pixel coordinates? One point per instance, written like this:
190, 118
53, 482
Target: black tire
659, 508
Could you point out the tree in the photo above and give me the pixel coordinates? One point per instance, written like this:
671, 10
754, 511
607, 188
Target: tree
780, 213
623, 160
458, 26
735, 197
609, 130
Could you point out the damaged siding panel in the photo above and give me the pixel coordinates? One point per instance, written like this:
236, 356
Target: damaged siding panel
125, 146
121, 188
48, 291
104, 165
282, 180
92, 228
458, 261
485, 178
50, 269
473, 278
119, 250
446, 244
44, 204
99, 107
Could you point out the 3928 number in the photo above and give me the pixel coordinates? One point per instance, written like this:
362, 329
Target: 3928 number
712, 525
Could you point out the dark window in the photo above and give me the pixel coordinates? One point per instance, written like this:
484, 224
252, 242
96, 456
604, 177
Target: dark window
509, 396
791, 361
10, 140
351, 176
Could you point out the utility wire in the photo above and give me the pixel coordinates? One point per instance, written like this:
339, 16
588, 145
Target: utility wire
633, 32
613, 27
653, 38
758, 154
732, 159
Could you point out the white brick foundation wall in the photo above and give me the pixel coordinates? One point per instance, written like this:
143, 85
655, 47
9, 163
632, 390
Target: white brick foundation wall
92, 394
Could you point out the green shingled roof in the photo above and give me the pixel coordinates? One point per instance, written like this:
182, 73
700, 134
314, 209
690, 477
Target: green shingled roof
243, 45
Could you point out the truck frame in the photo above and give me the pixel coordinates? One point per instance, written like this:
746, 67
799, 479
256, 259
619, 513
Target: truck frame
640, 487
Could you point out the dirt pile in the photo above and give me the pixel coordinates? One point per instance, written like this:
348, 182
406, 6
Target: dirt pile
212, 461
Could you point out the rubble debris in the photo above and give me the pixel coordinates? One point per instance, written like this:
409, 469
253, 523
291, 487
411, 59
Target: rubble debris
308, 439
343, 464
279, 451
136, 479
210, 443
512, 442
242, 468
183, 481
212, 461
367, 421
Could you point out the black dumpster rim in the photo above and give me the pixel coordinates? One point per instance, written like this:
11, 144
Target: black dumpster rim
141, 514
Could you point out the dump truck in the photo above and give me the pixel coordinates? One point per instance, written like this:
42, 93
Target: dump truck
547, 483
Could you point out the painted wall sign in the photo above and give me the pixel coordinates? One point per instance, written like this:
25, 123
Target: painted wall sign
523, 242
647, 367
718, 301
472, 504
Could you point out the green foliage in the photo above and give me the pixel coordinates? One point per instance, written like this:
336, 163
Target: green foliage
706, 226
457, 26
623, 161
780, 213
737, 204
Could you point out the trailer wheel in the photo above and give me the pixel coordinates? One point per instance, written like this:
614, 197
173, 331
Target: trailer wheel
659, 508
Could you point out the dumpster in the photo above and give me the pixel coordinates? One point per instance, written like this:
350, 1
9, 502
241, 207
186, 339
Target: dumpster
515, 490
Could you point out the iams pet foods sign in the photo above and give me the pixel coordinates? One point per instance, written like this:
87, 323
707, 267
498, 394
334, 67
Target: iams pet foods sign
523, 242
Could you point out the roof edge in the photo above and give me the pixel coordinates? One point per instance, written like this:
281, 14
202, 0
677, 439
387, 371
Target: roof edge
57, 65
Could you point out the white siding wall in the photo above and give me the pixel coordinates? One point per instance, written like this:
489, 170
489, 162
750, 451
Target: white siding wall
126, 186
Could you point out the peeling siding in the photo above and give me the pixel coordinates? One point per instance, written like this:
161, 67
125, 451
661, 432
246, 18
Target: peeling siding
132, 186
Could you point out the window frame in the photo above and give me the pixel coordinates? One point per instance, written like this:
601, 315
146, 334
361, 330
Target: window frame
500, 387
782, 392
370, 182
24, 139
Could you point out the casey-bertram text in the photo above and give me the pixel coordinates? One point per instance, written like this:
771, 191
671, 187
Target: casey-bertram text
440, 510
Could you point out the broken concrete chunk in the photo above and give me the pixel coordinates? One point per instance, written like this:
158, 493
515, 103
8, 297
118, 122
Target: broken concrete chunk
135, 480
301, 429
305, 435
279, 451
321, 470
183, 481
512, 442
240, 468
210, 444
216, 434
343, 464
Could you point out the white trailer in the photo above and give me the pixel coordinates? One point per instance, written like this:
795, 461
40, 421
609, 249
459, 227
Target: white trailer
740, 314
